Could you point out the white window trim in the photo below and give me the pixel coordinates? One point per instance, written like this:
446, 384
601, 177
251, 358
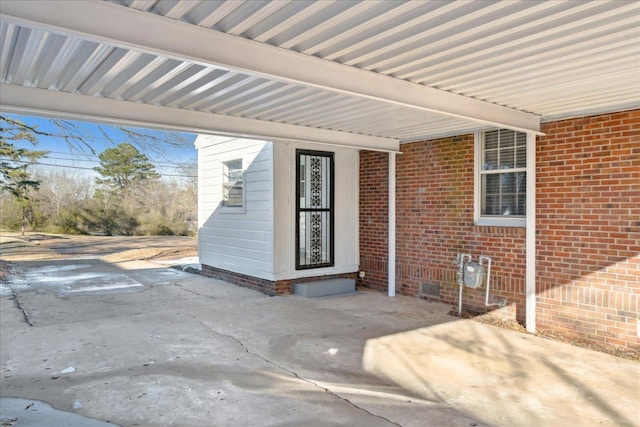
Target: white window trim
233, 209
478, 219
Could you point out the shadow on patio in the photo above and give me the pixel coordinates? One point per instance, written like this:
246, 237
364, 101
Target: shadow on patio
508, 378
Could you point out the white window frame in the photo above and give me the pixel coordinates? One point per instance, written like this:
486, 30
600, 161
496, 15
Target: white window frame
500, 221
223, 181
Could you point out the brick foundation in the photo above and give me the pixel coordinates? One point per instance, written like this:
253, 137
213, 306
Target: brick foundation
588, 227
269, 287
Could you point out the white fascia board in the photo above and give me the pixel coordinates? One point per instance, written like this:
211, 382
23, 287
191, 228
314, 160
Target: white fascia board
35, 101
205, 140
143, 31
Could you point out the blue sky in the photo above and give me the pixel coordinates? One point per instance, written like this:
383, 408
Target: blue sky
168, 151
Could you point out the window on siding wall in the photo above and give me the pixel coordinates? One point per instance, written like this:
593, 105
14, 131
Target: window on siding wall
501, 178
232, 184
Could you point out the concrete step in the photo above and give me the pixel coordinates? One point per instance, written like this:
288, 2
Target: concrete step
321, 288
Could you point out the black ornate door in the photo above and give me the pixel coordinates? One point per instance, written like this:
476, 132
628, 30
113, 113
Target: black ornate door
314, 209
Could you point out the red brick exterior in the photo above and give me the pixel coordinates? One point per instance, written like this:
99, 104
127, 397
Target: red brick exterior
269, 287
588, 223
588, 227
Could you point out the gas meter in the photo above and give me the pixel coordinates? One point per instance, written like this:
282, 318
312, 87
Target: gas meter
473, 275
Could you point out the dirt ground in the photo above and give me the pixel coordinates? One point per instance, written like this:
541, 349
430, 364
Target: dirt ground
42, 246
38, 246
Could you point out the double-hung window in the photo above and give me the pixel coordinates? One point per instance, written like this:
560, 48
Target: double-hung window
232, 184
501, 178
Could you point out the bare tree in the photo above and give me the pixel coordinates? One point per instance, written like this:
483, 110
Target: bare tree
62, 198
149, 206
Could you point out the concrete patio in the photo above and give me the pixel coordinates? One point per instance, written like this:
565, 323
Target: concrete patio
147, 345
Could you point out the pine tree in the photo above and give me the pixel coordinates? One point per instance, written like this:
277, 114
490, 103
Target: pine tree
123, 166
14, 176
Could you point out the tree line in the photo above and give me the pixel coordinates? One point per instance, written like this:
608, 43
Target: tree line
127, 198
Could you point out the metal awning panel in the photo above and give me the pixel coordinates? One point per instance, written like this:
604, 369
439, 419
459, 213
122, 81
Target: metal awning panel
405, 70
105, 71
487, 50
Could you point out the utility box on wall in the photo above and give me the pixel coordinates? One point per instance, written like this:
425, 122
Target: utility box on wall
473, 275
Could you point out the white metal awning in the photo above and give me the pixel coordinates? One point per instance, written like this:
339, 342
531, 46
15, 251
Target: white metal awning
362, 73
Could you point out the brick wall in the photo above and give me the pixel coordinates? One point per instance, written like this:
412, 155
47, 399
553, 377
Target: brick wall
261, 285
588, 222
434, 222
374, 217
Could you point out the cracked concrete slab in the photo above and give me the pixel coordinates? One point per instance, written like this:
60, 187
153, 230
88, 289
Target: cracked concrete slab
187, 350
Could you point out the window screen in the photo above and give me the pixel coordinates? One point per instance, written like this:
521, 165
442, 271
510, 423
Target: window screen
503, 186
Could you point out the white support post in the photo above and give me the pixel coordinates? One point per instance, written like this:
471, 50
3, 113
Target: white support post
530, 279
392, 225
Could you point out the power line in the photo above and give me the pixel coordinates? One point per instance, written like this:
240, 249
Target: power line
84, 132
92, 137
90, 157
72, 159
97, 161
91, 169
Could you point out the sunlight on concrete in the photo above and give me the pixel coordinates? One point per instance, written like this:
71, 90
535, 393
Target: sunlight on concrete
504, 377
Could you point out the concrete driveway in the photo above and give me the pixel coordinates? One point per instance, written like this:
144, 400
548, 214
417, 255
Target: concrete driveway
139, 344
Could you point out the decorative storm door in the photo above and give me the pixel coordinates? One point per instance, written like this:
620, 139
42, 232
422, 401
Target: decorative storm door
314, 209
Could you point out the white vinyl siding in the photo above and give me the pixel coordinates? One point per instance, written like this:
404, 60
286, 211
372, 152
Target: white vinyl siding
259, 241
232, 237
